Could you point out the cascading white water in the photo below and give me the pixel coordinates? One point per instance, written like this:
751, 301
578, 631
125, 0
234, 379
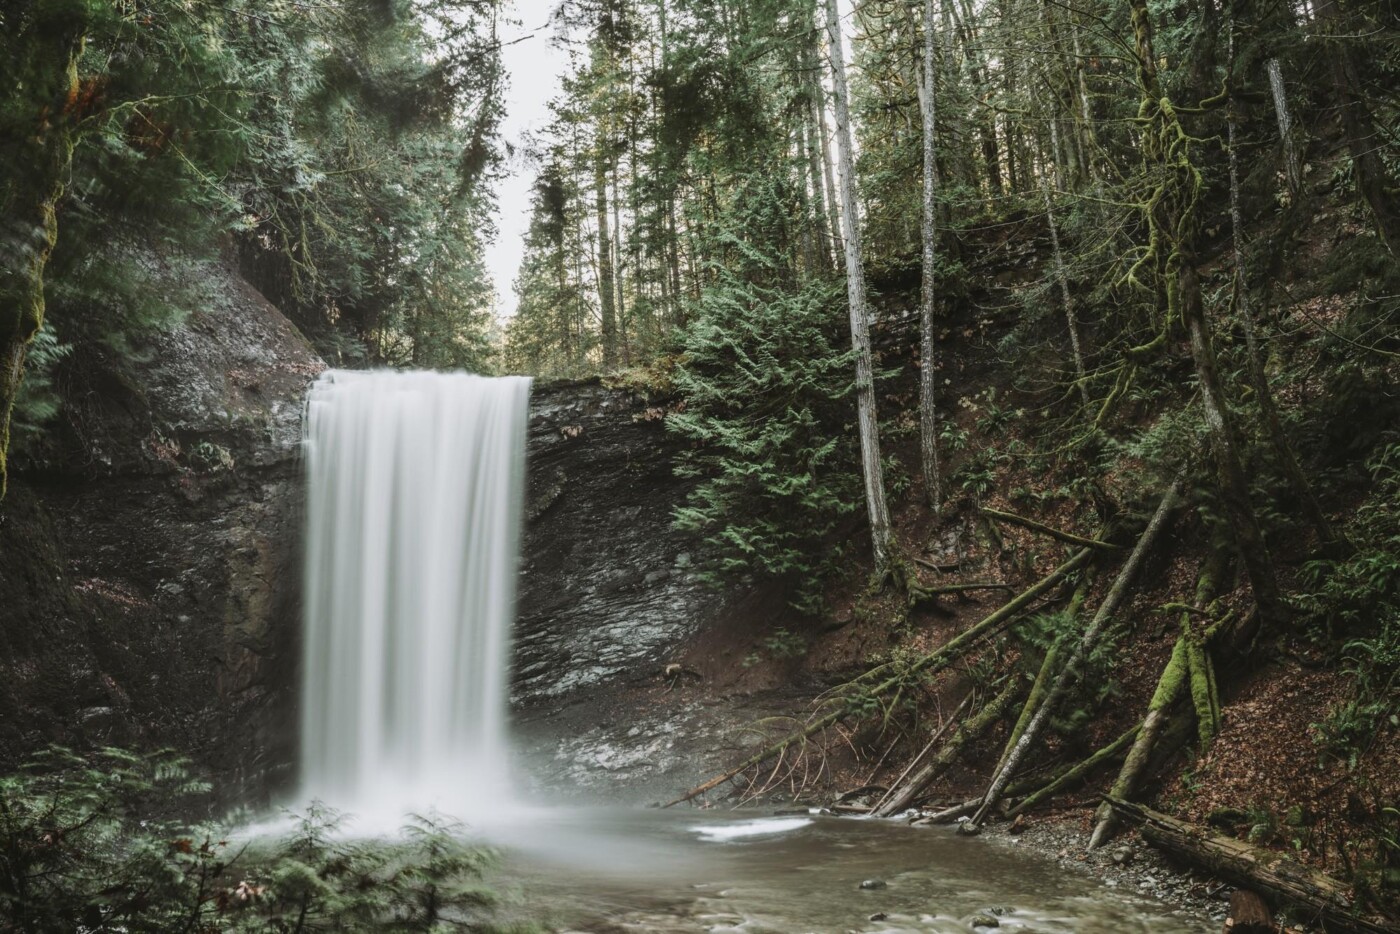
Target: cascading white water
414, 488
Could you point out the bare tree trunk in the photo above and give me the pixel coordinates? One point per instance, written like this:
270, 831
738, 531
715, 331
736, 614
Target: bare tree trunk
1061, 277
869, 428
605, 264
833, 217
1293, 171
928, 375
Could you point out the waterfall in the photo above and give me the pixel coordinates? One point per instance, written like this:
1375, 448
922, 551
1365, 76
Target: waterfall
414, 488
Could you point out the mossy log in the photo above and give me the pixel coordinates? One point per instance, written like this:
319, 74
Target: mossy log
1326, 899
1080, 771
929, 664
1068, 538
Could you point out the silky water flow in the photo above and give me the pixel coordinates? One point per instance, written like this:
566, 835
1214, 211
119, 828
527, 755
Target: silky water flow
414, 488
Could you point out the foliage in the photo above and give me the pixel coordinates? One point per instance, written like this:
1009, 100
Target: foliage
766, 387
94, 842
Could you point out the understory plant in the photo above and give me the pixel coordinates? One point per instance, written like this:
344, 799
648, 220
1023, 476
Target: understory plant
101, 842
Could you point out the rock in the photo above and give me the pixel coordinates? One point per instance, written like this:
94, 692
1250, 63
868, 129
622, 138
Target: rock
873, 884
1018, 825
983, 919
150, 534
1123, 856
878, 916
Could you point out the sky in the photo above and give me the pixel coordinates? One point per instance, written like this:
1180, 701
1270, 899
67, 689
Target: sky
534, 66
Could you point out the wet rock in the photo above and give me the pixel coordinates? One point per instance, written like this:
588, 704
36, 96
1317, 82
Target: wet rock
878, 916
605, 593
1123, 856
873, 884
149, 582
983, 919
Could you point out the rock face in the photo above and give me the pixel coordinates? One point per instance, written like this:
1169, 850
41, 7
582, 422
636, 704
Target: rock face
148, 573
608, 589
149, 578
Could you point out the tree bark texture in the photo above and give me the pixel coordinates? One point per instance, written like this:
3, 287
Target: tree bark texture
868, 423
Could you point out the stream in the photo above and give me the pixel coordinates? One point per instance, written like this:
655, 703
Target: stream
618, 870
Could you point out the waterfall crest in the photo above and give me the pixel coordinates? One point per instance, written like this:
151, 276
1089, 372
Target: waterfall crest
414, 489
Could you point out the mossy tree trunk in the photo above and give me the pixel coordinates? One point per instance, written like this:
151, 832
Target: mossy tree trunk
1171, 210
38, 126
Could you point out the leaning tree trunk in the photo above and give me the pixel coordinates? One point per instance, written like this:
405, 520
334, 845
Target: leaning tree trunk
37, 133
876, 504
1070, 673
1292, 168
928, 377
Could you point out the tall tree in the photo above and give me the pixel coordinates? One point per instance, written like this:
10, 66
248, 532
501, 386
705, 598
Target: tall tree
867, 422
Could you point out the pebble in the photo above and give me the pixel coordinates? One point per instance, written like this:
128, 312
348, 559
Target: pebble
873, 884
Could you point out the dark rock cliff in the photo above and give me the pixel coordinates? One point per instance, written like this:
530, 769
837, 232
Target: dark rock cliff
149, 573
608, 589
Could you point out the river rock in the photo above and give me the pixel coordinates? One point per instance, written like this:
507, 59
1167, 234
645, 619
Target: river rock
873, 884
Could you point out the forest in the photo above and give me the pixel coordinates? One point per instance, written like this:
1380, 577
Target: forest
1009, 386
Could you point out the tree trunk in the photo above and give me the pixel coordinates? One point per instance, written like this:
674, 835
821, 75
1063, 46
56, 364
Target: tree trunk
36, 142
1173, 221
928, 375
605, 264
1293, 170
1322, 897
1257, 376
871, 467
1372, 179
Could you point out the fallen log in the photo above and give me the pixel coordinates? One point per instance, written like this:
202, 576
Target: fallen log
1068, 538
933, 662
1070, 673
900, 798
1327, 900
937, 735
1079, 771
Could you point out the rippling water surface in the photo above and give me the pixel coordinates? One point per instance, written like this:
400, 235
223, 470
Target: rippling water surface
673, 871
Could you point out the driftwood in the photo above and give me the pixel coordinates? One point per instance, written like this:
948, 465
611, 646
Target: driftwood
1067, 537
1070, 673
1288, 883
933, 662
1248, 914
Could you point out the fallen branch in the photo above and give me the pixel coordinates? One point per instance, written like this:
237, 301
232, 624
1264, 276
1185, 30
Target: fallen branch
1079, 771
1067, 537
929, 664
937, 735
1243, 864
920, 593
967, 732
1070, 673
